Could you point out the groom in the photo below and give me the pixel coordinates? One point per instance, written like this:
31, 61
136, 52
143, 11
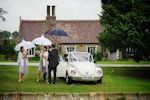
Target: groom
53, 62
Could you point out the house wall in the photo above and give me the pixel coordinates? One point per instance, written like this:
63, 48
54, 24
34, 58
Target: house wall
114, 56
84, 48
79, 47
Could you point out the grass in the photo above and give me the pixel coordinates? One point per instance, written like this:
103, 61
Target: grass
122, 62
114, 80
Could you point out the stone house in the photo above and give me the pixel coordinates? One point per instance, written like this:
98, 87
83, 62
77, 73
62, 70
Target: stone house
82, 34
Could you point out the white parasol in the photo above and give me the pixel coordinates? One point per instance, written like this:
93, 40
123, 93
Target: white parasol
42, 41
25, 44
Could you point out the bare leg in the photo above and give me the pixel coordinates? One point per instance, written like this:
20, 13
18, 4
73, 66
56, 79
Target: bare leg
22, 77
38, 77
19, 80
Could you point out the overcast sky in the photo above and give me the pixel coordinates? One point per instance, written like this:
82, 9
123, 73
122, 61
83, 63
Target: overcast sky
36, 10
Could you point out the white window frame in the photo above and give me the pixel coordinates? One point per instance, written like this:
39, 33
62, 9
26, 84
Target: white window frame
91, 46
31, 52
130, 50
70, 46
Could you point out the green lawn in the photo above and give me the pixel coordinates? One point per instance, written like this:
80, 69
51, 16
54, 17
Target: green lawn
114, 80
122, 62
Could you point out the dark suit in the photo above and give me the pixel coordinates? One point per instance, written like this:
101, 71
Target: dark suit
53, 62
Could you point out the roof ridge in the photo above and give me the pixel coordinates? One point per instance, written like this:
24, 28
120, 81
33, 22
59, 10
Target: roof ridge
77, 20
61, 20
33, 20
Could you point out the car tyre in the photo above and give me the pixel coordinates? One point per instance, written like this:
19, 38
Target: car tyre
99, 81
68, 79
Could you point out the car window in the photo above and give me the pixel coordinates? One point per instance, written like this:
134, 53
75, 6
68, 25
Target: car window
72, 58
61, 59
81, 57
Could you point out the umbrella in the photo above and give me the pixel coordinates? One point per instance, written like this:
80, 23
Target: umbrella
42, 41
57, 32
25, 44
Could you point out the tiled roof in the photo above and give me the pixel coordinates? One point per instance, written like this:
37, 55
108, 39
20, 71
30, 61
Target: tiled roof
79, 31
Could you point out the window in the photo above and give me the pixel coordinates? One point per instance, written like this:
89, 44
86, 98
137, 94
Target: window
130, 50
70, 48
32, 52
91, 49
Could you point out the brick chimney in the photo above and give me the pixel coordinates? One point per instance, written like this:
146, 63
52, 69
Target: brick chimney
51, 18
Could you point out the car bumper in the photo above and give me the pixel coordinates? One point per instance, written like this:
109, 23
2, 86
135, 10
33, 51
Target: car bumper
85, 78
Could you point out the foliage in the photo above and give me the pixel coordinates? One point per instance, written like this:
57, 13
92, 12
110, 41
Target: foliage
121, 98
126, 24
8, 50
97, 56
122, 62
15, 34
5, 35
35, 58
2, 12
7, 47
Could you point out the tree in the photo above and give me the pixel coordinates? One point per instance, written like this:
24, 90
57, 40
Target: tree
5, 35
2, 12
8, 45
15, 34
8, 49
127, 24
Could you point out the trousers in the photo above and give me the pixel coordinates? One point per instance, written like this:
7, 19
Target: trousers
50, 69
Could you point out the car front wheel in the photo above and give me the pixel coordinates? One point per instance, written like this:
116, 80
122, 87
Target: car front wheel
68, 79
99, 81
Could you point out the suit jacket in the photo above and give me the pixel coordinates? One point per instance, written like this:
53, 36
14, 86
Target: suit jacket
53, 58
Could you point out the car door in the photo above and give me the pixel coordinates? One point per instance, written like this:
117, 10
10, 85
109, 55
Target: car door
62, 67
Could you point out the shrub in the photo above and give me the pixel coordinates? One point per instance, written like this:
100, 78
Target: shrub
35, 58
97, 56
7, 49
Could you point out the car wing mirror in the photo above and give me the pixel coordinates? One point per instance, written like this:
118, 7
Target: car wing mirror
66, 60
66, 57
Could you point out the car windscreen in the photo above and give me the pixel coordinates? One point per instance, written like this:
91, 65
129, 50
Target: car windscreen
81, 57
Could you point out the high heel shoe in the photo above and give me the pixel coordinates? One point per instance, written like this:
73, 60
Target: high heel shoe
37, 80
19, 81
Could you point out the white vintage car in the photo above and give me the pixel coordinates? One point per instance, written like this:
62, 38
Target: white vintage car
79, 66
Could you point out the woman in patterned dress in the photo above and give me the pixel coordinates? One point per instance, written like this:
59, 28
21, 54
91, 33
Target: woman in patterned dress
22, 63
43, 65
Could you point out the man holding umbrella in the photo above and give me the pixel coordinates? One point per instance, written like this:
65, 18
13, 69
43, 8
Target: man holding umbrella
53, 54
53, 62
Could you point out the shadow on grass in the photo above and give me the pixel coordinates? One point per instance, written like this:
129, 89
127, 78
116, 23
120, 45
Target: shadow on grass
78, 82
142, 72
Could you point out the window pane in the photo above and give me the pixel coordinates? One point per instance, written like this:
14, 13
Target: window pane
91, 50
31, 51
70, 49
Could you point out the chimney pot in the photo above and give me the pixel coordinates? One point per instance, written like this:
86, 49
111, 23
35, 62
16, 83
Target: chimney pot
48, 10
53, 10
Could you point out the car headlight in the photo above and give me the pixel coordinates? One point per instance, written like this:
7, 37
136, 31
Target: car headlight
73, 72
99, 72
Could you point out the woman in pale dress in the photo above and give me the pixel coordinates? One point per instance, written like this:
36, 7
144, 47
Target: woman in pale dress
43, 65
22, 63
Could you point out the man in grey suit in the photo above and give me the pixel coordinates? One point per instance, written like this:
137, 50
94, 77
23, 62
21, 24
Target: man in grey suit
53, 62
